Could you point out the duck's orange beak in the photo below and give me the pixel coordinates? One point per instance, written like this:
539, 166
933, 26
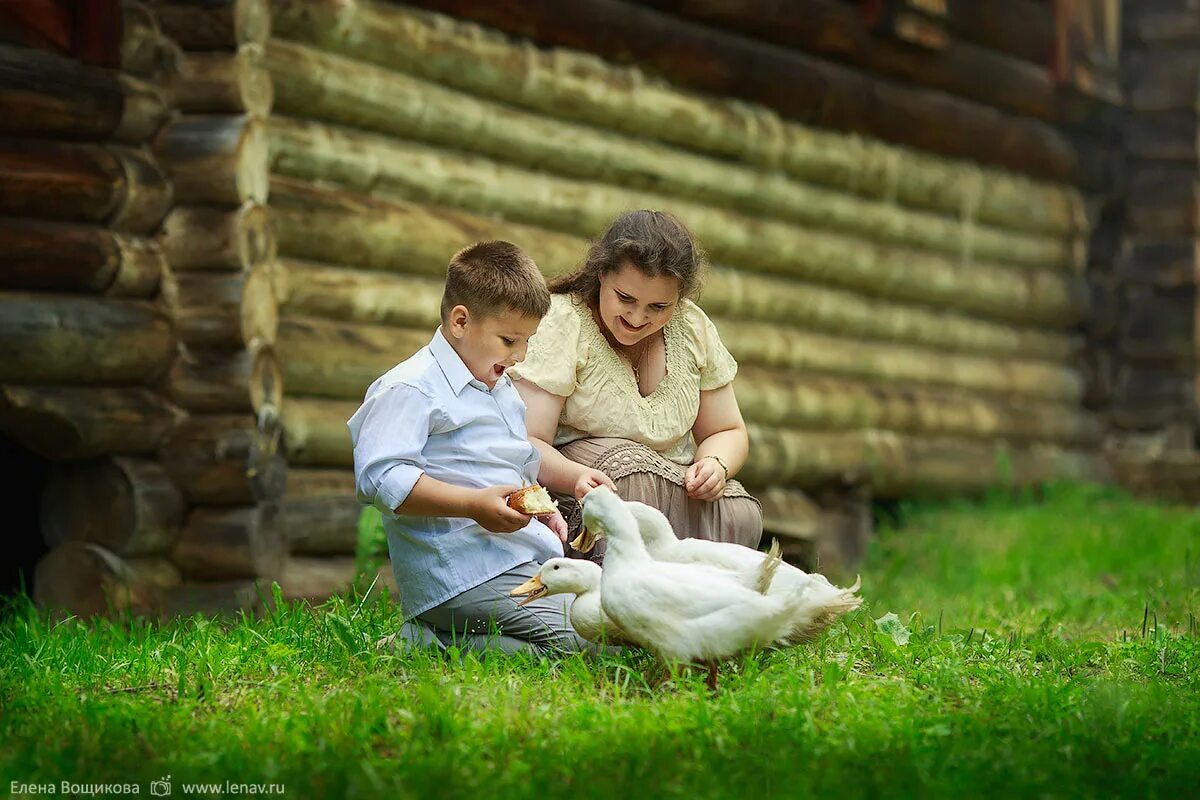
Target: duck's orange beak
585, 542
532, 588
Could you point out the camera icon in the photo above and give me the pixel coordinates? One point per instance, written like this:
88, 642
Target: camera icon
161, 787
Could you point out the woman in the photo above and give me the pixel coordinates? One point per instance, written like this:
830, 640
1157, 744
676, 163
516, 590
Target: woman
627, 384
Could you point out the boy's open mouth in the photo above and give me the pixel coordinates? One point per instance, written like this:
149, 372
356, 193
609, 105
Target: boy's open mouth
498, 369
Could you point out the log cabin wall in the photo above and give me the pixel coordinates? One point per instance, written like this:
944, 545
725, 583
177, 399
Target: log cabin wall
908, 314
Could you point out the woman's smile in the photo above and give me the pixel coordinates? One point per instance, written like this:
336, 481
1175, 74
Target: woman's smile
632, 328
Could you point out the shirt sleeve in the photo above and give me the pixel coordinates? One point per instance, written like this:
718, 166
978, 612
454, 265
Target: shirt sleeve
389, 432
719, 367
552, 359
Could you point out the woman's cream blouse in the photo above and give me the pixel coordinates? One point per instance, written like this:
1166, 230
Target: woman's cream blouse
569, 357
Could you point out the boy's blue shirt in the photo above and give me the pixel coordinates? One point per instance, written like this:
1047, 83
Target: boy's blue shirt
429, 415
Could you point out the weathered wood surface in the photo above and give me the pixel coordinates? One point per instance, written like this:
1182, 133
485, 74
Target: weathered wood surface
233, 83
45, 95
343, 228
119, 187
215, 159
230, 543
81, 340
799, 87
896, 465
72, 422
572, 85
1023, 28
1029, 296
1147, 396
1163, 136
214, 24
129, 506
1176, 25
226, 459
85, 579
1163, 200
66, 257
320, 511
315, 84
1159, 326
222, 310
1159, 261
1162, 79
371, 296
813, 402
223, 381
330, 359
838, 31
317, 579
209, 598
202, 237
314, 432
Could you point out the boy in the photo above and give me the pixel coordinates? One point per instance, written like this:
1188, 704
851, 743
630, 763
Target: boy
440, 441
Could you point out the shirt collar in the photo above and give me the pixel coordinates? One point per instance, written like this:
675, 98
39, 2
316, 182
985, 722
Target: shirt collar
452, 366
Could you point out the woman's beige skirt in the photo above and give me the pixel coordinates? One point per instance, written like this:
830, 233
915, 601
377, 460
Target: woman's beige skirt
642, 474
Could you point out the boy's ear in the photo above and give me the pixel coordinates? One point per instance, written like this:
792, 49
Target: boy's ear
457, 319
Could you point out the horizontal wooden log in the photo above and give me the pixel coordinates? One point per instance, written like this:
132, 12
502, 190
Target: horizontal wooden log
1171, 476
317, 84
214, 24
205, 238
1097, 365
233, 83
215, 160
119, 187
1161, 79
1150, 397
349, 295
1159, 326
1163, 200
65, 257
329, 359
218, 310
318, 579
1158, 28
1023, 28
230, 543
896, 465
226, 459
45, 95
795, 400
1159, 261
1163, 136
797, 86
577, 86
769, 345
81, 340
315, 434
72, 422
86, 580
1035, 296
222, 381
320, 511
129, 506
838, 31
212, 598
343, 228
145, 51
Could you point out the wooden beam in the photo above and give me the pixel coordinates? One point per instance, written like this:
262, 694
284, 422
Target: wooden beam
214, 24
54, 256
226, 459
215, 159
799, 87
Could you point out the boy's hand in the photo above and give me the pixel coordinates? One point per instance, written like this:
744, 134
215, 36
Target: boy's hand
490, 509
557, 524
590, 479
705, 480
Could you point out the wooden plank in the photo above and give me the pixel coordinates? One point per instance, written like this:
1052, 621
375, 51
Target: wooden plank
798, 86
1159, 261
1161, 79
1158, 326
1163, 200
1146, 397
1163, 135
1023, 28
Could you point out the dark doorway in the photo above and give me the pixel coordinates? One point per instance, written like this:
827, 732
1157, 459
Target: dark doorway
22, 474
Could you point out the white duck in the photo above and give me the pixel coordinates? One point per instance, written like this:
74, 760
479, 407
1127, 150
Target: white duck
681, 612
823, 602
582, 579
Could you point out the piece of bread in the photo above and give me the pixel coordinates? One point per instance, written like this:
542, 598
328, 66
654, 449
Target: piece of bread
532, 500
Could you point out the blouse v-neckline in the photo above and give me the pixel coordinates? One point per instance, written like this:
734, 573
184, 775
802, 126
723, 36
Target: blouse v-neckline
671, 349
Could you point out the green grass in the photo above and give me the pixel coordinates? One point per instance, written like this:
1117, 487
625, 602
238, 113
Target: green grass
1053, 651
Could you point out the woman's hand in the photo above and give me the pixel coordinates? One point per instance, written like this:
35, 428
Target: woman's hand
590, 479
557, 524
705, 480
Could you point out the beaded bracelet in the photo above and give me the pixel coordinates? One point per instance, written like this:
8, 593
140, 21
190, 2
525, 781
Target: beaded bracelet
722, 463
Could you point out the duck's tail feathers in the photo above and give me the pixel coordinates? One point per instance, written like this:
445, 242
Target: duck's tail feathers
821, 612
767, 569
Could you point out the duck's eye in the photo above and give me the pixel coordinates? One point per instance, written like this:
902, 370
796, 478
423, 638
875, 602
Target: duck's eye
556, 566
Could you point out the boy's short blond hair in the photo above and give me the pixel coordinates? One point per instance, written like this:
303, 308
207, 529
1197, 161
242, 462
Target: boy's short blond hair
491, 278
